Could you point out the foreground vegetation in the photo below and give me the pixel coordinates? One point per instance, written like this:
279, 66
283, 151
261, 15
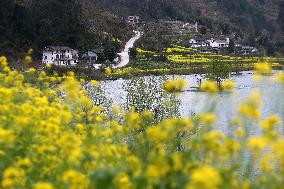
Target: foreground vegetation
53, 136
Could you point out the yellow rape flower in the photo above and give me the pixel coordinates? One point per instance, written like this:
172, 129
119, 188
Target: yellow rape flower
265, 163
6, 69
250, 111
49, 66
240, 132
108, 71
13, 178
256, 144
76, 180
80, 128
43, 185
28, 59
94, 83
278, 147
152, 171
205, 177
176, 85
268, 126
263, 68
3, 61
250, 107
122, 181
280, 78
32, 70
209, 87
177, 161
24, 163
30, 51
6, 136
207, 118
157, 134
228, 86
133, 119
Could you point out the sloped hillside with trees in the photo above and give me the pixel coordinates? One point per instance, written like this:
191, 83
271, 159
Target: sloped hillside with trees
94, 23
256, 22
35, 24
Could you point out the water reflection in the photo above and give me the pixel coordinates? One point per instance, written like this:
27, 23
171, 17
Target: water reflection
146, 92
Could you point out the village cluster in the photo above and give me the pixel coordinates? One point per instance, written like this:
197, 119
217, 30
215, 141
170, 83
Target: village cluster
220, 45
65, 56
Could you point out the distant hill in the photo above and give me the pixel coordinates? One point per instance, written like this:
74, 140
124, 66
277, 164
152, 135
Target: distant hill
85, 24
257, 22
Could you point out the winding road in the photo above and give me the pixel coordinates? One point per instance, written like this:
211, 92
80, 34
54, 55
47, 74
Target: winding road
124, 55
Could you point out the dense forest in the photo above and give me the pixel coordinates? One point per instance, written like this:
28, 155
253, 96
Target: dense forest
89, 24
35, 24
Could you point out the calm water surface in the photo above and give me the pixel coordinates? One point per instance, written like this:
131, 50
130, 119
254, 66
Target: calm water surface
226, 104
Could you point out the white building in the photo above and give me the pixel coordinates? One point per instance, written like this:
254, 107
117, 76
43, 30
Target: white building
217, 43
60, 56
133, 20
247, 50
198, 43
192, 41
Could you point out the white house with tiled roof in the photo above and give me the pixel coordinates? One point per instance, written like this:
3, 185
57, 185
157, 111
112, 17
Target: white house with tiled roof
214, 43
60, 56
218, 43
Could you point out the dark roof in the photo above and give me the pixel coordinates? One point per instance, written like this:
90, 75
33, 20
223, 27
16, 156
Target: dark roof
58, 48
89, 54
220, 41
101, 50
248, 47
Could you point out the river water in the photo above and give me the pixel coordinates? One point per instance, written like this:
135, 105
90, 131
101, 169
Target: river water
191, 101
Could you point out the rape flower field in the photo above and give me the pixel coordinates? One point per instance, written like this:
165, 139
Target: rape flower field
178, 54
52, 135
182, 60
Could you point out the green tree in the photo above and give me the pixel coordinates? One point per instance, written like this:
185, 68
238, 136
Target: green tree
218, 71
133, 53
109, 53
231, 48
148, 94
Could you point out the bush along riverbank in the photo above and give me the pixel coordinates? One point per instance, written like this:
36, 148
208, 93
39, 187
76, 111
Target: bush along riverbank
147, 69
50, 140
176, 60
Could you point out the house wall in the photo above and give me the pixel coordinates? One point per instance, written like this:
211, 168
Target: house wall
47, 57
218, 45
60, 58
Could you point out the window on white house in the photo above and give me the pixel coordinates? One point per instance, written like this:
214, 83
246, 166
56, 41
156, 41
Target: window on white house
45, 57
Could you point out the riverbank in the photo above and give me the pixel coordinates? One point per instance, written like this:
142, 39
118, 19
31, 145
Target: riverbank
130, 72
174, 60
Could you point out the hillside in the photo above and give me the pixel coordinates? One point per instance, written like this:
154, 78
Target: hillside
89, 24
256, 22
36, 24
